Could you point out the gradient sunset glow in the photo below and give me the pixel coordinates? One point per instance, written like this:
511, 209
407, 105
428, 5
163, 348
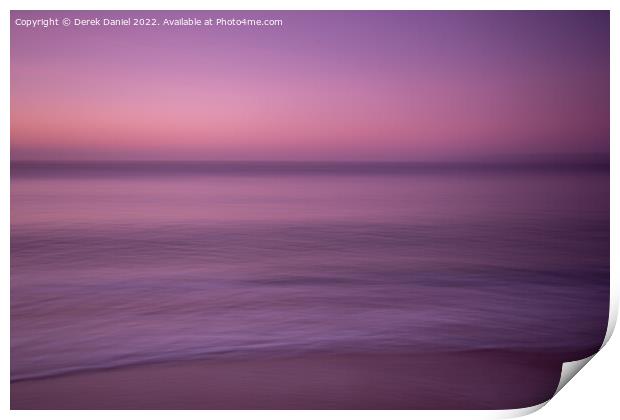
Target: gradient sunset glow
324, 86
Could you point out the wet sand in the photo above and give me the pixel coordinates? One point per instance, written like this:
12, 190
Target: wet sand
466, 380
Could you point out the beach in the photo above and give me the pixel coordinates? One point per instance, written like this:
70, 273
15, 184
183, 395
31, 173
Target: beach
463, 380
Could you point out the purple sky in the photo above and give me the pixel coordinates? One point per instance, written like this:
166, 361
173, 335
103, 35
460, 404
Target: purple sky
325, 86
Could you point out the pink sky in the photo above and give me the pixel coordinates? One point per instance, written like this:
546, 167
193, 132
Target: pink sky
325, 86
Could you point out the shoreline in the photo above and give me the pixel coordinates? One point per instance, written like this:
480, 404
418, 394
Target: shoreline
489, 379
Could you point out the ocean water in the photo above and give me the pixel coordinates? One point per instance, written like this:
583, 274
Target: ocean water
116, 264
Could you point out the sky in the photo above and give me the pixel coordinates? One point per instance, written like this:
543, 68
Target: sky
323, 86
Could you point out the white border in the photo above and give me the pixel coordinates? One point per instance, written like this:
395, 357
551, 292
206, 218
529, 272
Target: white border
591, 394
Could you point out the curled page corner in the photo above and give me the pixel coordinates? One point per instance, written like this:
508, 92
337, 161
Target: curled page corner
569, 370
613, 317
520, 412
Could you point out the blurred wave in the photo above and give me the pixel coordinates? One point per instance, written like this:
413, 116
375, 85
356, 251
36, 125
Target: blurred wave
113, 270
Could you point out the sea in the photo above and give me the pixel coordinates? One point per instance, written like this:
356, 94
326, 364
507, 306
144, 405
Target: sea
125, 263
